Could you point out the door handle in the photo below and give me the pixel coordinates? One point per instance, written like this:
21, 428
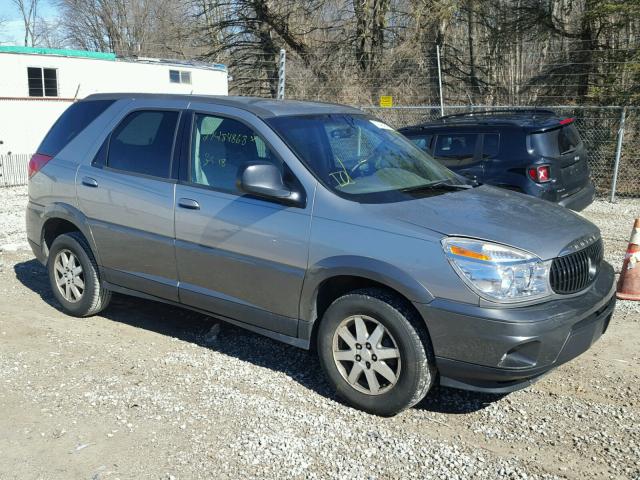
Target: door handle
89, 182
189, 204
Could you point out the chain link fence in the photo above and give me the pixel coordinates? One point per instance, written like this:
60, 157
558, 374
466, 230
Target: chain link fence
599, 128
628, 178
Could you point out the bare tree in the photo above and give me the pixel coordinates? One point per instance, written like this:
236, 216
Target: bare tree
29, 11
48, 33
492, 51
128, 27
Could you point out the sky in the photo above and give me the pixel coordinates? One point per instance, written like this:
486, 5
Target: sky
12, 30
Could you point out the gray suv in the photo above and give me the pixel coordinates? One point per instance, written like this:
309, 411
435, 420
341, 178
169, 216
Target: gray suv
319, 226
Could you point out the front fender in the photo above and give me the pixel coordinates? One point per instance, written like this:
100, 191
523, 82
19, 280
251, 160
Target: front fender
368, 268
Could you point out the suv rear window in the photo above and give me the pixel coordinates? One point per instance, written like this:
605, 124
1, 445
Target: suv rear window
72, 121
554, 143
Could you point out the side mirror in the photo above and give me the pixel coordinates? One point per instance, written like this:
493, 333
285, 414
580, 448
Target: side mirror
265, 180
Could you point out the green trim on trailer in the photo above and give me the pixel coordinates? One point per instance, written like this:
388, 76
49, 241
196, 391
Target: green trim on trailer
58, 52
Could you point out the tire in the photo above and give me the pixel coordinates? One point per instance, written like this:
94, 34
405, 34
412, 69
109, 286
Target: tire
405, 336
89, 297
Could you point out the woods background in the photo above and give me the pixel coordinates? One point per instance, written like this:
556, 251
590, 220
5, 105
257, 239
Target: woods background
580, 57
502, 52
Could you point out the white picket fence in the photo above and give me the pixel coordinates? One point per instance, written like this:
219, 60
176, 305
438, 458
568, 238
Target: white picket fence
14, 170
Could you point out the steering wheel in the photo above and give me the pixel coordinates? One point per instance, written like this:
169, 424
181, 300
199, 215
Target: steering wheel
367, 159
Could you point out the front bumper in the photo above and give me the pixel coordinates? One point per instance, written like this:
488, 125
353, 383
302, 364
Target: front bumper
581, 199
500, 350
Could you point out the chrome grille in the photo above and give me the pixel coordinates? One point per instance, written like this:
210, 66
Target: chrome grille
576, 271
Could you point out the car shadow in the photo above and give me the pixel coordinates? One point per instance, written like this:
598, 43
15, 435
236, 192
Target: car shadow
454, 401
300, 365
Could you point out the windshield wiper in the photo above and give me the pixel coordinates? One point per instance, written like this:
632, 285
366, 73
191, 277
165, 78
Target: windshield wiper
439, 185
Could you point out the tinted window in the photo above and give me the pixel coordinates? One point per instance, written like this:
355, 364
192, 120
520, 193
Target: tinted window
423, 142
71, 123
143, 143
174, 76
568, 139
456, 146
553, 143
490, 145
219, 147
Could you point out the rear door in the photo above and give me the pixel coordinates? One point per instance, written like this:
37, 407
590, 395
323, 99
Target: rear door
564, 150
127, 193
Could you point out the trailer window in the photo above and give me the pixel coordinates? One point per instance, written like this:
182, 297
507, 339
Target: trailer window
179, 76
43, 82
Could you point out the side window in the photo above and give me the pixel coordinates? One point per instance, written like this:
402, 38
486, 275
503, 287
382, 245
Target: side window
423, 142
143, 143
219, 147
455, 149
490, 145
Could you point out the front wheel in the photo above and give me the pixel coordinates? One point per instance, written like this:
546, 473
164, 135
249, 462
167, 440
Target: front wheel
375, 352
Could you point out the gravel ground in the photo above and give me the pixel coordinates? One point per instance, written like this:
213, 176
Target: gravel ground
13, 201
144, 391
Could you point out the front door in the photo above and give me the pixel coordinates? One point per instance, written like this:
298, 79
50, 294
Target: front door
238, 256
128, 196
460, 152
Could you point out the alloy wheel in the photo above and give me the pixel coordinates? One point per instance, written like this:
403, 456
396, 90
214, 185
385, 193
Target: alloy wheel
366, 355
69, 275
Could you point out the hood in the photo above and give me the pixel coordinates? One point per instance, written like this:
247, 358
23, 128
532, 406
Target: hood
488, 213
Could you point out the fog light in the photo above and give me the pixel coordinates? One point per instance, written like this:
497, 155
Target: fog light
521, 356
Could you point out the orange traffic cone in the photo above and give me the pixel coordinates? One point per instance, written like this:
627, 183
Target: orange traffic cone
629, 283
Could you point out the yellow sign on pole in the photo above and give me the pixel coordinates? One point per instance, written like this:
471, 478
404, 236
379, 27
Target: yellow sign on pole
386, 101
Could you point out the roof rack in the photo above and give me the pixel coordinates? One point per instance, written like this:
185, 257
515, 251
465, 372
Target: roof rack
533, 111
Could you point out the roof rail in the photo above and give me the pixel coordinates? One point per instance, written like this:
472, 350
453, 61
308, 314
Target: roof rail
515, 111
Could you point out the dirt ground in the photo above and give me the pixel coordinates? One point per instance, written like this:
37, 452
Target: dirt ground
142, 391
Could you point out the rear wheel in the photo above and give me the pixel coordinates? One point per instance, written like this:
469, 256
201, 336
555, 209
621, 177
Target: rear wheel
375, 352
73, 274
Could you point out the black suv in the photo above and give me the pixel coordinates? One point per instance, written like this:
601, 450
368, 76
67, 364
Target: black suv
530, 151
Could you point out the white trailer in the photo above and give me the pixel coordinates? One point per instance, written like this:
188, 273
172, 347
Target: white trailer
38, 84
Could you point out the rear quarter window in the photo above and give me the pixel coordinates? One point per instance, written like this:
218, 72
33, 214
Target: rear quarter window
72, 121
490, 145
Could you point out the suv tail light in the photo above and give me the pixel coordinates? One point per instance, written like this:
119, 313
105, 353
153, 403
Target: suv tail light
539, 174
37, 162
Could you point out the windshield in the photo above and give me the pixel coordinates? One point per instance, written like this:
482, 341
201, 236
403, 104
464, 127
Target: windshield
361, 158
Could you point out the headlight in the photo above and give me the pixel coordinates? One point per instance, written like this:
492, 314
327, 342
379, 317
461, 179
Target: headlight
496, 272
